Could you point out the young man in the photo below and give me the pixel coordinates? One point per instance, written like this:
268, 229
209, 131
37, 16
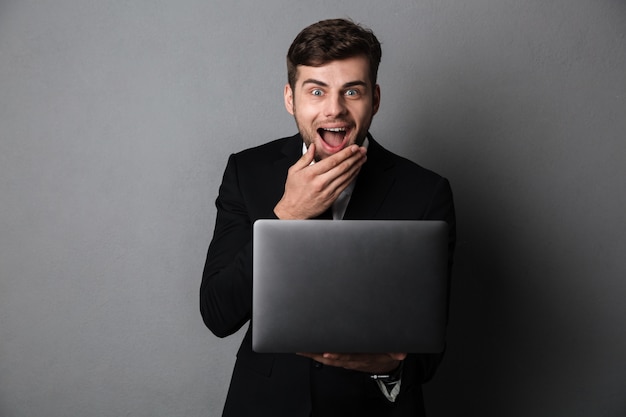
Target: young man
334, 165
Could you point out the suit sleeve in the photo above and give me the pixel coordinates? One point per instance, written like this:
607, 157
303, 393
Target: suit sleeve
226, 289
441, 207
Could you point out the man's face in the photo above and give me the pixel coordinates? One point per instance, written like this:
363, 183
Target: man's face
333, 104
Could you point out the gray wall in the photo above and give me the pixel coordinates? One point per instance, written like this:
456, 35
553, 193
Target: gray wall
116, 119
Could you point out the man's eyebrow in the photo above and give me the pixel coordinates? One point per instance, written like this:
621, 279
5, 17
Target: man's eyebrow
355, 84
314, 81
323, 84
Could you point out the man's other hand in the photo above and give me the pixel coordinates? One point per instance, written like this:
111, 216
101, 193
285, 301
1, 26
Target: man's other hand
373, 363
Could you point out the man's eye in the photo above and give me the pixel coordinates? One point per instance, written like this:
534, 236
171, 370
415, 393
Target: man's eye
352, 92
317, 92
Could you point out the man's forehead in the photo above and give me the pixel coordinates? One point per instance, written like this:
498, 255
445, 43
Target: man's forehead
353, 70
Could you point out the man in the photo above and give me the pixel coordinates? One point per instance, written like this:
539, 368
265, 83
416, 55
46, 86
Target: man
332, 165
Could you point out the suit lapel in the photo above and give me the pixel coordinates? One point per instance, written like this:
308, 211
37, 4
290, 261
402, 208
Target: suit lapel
289, 154
372, 185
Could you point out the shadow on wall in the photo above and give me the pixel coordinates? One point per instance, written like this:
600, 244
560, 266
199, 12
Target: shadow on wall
525, 336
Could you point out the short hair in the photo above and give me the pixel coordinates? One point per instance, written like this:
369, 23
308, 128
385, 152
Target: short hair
330, 40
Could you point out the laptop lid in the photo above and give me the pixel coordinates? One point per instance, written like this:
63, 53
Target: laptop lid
349, 286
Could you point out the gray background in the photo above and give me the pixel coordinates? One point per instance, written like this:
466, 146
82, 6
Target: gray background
116, 119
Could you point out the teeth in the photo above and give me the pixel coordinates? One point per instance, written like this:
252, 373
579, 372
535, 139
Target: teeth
336, 129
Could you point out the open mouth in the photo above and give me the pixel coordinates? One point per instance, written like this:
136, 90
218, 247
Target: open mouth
334, 137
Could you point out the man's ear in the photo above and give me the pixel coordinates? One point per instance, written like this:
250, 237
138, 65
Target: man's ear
289, 98
376, 98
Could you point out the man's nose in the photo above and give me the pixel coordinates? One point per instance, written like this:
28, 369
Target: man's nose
335, 106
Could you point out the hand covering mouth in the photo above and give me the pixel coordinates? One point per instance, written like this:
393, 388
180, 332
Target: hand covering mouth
333, 136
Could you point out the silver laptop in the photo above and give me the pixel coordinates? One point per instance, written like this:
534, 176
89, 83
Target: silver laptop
349, 286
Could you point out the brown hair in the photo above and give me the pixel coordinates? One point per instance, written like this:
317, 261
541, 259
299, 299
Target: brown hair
330, 40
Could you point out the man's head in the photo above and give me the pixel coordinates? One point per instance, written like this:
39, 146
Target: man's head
332, 40
332, 67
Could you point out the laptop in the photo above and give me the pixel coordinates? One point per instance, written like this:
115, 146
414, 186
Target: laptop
349, 286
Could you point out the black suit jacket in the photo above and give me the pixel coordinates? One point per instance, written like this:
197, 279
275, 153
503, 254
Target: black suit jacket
388, 187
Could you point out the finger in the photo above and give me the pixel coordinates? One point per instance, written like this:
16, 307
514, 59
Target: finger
398, 356
346, 357
340, 177
343, 171
321, 358
334, 356
335, 160
335, 176
316, 356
